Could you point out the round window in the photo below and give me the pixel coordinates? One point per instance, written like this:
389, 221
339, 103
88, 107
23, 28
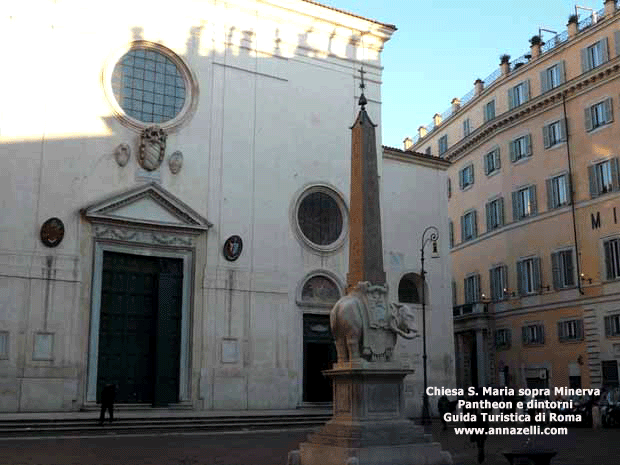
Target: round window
148, 86
320, 218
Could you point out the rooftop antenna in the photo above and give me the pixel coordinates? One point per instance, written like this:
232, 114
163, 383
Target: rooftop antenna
362, 100
594, 14
542, 29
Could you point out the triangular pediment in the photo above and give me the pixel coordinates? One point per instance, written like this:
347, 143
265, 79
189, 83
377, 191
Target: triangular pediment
150, 205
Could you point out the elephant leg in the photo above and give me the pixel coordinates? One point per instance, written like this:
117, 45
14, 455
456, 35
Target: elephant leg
341, 350
354, 348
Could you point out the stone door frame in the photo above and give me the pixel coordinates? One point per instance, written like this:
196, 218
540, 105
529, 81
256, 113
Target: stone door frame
95, 316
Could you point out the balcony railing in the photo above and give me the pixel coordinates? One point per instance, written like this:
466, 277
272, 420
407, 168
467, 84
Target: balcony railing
470, 309
550, 44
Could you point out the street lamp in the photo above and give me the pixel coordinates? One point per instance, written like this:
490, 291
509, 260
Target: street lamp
432, 238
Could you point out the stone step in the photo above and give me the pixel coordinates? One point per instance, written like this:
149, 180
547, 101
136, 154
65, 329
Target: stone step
89, 426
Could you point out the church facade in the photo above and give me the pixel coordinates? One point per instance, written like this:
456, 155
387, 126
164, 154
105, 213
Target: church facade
174, 208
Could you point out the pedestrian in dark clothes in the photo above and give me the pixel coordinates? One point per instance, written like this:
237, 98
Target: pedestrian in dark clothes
480, 437
107, 402
443, 406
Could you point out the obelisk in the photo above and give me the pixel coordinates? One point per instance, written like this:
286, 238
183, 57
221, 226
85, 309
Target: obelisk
365, 245
368, 426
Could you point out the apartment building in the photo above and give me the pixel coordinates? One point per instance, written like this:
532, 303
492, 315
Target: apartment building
534, 205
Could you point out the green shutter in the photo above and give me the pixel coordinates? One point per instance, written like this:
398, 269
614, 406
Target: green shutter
513, 151
549, 183
555, 269
561, 335
545, 130
563, 124
609, 110
511, 98
498, 163
533, 202
593, 184
472, 173
542, 334
585, 62
501, 211
526, 90
451, 233
588, 118
544, 82
463, 228
488, 214
562, 73
528, 145
475, 223
608, 260
604, 50
580, 329
614, 174
537, 274
570, 273
477, 288
515, 206
524, 337
520, 280
461, 180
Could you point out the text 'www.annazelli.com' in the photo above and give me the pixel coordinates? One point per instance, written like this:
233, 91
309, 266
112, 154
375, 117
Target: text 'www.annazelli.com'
512, 430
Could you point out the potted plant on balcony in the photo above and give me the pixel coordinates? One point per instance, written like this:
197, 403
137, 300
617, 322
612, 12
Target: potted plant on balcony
504, 64
572, 26
535, 44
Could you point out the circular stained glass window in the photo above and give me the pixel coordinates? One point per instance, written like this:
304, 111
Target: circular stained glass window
148, 85
320, 218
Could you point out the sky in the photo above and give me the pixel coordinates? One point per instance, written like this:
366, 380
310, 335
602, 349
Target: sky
442, 46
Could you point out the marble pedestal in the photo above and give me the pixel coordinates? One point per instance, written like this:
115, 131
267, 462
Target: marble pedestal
368, 425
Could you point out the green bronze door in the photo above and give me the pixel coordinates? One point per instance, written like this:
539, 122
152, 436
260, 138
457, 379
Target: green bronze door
139, 335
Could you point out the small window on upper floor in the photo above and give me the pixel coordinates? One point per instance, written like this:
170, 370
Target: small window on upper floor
521, 148
492, 162
554, 133
495, 213
533, 334
469, 226
489, 111
519, 94
466, 176
599, 114
552, 77
558, 191
524, 203
466, 127
612, 259
563, 269
570, 330
594, 55
528, 276
612, 325
604, 177
443, 144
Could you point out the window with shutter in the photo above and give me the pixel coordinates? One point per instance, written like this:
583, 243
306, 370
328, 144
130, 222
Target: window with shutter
612, 258
502, 339
570, 330
497, 277
612, 325
528, 276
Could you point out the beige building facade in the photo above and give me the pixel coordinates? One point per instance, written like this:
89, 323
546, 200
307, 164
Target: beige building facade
536, 264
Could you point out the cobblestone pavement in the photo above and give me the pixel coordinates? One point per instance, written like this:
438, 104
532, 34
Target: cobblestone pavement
579, 447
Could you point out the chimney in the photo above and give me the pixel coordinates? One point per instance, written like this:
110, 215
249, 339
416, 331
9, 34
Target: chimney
437, 119
422, 131
456, 105
478, 87
610, 7
408, 143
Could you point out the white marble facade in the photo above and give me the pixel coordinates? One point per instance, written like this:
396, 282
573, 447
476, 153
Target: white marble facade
270, 93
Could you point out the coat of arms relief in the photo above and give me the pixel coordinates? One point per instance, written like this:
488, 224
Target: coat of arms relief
152, 148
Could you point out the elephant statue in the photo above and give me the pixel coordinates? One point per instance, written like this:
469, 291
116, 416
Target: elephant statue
363, 329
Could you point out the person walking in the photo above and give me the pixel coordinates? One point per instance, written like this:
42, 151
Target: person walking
108, 395
443, 405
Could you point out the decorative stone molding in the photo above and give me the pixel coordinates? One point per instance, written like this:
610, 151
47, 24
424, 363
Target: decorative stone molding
122, 153
319, 288
152, 148
142, 237
175, 162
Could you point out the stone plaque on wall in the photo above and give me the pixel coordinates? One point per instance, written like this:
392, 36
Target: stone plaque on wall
230, 351
43, 346
382, 398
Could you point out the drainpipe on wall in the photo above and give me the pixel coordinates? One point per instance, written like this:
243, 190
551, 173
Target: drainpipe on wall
572, 194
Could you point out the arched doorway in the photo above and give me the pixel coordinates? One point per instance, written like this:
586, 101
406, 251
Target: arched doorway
318, 293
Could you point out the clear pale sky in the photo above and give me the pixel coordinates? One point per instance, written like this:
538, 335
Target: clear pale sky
442, 46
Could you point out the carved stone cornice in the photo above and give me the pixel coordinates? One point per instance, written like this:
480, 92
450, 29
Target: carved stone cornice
533, 107
125, 234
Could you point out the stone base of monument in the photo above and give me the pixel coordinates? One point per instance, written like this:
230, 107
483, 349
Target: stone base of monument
369, 426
